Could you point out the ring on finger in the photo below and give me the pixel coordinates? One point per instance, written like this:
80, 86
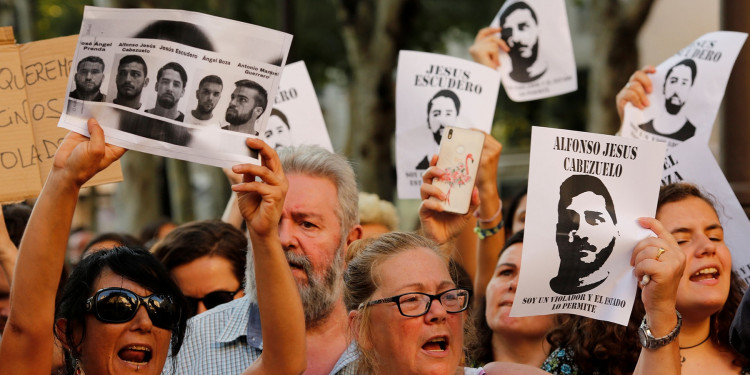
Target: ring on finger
660, 252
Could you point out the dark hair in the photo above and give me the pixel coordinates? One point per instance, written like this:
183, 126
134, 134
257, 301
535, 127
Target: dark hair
133, 59
211, 79
690, 64
261, 100
93, 59
122, 239
480, 349
446, 94
177, 68
511, 213
721, 320
281, 116
514, 7
177, 31
194, 240
581, 183
151, 230
135, 264
16, 217
598, 345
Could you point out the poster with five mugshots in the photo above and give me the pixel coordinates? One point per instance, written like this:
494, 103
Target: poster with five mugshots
695, 164
540, 63
687, 92
585, 193
175, 83
296, 118
434, 91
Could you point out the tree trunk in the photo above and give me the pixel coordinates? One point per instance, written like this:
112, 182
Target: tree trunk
372, 30
616, 25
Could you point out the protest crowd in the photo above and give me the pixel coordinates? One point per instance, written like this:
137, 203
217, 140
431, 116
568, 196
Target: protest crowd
307, 274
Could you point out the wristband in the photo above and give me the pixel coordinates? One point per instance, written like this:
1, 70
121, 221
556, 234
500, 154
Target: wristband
484, 233
499, 210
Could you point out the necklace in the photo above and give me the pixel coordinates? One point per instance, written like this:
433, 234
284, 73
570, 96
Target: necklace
682, 357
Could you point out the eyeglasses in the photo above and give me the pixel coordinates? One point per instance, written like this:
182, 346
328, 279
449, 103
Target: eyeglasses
417, 304
119, 305
212, 299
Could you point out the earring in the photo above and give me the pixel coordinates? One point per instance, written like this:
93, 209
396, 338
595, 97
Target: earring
78, 370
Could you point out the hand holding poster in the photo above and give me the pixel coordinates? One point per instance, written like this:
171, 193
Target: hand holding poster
540, 63
695, 164
175, 83
585, 193
296, 118
687, 92
432, 92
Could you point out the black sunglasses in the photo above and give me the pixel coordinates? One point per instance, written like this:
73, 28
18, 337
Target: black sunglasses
119, 305
212, 299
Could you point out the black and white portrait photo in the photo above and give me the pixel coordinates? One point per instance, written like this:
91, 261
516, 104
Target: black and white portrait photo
442, 110
520, 31
586, 234
278, 133
678, 83
170, 87
207, 95
131, 78
249, 101
88, 79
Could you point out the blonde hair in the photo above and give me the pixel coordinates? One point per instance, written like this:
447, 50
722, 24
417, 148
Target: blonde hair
361, 281
373, 210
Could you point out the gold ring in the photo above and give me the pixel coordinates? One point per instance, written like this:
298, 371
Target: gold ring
660, 252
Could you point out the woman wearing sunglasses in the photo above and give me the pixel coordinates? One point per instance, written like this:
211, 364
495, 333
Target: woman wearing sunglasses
120, 312
207, 260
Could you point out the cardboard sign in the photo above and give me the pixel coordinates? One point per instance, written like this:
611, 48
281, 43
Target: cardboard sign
540, 63
585, 193
696, 164
175, 83
434, 91
33, 80
296, 118
687, 92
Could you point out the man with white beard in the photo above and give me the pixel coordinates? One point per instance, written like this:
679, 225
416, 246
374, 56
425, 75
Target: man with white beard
319, 220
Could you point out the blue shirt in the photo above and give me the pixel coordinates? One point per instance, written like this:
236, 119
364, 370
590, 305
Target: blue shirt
227, 339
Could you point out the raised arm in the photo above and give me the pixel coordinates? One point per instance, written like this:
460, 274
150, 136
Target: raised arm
491, 232
281, 315
635, 91
8, 250
487, 46
28, 340
442, 227
661, 259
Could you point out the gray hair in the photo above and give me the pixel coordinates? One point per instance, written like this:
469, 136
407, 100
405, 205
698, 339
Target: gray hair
316, 161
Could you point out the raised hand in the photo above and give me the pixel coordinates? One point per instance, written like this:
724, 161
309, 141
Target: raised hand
79, 158
261, 202
635, 91
487, 46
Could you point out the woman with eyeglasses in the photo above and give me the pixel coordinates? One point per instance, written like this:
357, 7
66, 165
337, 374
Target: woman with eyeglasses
120, 312
207, 260
427, 337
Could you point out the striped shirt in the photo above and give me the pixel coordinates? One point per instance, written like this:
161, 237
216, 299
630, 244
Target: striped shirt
227, 339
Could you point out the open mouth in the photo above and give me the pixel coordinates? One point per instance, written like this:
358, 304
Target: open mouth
705, 274
135, 354
437, 344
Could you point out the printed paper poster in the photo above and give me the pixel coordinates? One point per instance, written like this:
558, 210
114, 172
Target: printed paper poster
434, 91
696, 164
687, 92
175, 83
585, 193
296, 118
540, 63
